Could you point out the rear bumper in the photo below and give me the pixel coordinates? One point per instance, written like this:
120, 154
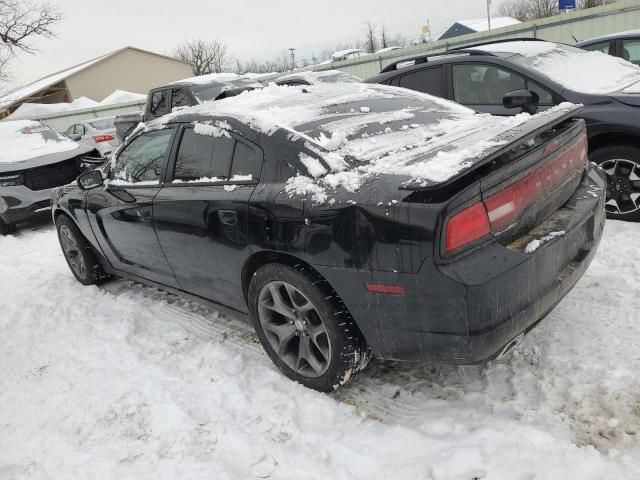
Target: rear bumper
467, 311
20, 203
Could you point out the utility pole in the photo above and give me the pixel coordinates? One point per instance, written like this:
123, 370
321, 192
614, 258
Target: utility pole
292, 51
489, 13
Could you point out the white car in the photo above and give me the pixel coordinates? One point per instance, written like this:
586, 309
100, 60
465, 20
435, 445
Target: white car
99, 133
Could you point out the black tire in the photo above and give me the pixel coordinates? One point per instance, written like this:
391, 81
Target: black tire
621, 163
79, 255
6, 228
344, 347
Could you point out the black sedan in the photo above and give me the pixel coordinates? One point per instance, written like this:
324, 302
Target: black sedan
347, 220
509, 77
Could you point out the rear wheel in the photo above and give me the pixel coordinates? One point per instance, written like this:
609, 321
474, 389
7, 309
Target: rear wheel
621, 163
305, 328
78, 253
6, 228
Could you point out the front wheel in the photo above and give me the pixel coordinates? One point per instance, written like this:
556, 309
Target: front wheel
78, 253
6, 228
305, 328
621, 163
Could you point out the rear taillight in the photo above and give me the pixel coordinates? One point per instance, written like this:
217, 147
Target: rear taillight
501, 209
102, 138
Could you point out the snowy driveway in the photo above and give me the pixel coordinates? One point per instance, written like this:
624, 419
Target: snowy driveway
125, 381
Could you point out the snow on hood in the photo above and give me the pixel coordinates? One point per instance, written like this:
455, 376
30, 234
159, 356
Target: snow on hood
573, 68
24, 139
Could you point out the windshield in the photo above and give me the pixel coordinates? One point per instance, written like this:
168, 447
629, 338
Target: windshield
103, 123
573, 68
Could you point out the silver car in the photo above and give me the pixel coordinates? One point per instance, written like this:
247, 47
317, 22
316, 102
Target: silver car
98, 133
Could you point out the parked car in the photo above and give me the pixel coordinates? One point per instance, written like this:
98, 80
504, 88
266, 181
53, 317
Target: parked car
184, 93
99, 133
624, 45
506, 78
34, 159
347, 220
314, 78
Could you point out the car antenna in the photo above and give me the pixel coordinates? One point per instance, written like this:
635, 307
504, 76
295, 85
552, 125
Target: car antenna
573, 36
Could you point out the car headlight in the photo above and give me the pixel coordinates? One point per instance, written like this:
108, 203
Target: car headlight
11, 180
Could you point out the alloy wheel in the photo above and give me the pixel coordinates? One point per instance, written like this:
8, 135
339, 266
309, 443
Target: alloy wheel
623, 186
294, 329
72, 251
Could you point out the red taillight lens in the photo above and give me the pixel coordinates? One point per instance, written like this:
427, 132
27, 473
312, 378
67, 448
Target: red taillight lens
385, 288
102, 138
501, 209
469, 225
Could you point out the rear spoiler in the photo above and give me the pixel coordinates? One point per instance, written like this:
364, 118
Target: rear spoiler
508, 139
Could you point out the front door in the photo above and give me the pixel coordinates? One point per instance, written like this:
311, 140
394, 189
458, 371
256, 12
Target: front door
121, 214
202, 215
482, 86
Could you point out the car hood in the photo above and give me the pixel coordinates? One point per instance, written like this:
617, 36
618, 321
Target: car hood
43, 160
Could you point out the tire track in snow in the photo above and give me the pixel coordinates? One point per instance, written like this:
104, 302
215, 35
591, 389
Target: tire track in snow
407, 394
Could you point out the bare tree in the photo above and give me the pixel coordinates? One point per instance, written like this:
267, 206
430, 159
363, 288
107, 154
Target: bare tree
384, 41
370, 41
5, 71
205, 56
21, 21
582, 4
518, 9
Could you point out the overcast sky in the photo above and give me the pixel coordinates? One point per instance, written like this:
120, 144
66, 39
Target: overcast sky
250, 28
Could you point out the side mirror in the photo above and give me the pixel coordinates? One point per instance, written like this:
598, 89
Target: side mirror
76, 137
89, 180
524, 99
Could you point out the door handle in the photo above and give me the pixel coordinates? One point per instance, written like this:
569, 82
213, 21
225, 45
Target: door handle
228, 217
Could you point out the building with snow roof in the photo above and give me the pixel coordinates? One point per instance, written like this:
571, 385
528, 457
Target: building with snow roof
129, 68
463, 27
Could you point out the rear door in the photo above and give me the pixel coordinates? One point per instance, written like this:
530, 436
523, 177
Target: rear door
121, 214
201, 214
482, 86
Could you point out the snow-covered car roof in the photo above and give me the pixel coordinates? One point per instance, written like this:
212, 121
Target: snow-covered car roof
360, 130
342, 54
325, 76
573, 68
24, 140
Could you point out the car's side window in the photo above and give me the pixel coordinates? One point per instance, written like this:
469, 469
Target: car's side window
247, 162
602, 47
179, 98
69, 130
428, 80
203, 157
159, 103
80, 129
143, 159
475, 84
545, 96
631, 51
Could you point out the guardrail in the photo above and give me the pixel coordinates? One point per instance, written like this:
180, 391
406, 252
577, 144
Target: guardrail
564, 28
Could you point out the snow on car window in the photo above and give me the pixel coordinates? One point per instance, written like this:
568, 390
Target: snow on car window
573, 68
25, 139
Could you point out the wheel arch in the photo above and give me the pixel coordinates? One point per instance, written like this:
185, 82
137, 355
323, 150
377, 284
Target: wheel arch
258, 259
614, 138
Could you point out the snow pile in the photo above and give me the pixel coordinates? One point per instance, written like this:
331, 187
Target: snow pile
25, 139
122, 96
573, 68
38, 109
129, 382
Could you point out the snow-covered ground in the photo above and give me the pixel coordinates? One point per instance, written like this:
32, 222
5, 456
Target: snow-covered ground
128, 382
